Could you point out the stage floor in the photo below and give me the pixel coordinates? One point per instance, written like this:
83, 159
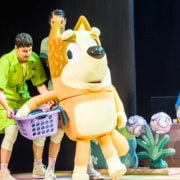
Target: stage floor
137, 173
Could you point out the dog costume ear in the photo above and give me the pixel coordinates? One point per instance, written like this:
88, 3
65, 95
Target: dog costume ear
55, 47
82, 24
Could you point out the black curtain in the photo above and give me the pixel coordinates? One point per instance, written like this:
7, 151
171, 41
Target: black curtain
157, 42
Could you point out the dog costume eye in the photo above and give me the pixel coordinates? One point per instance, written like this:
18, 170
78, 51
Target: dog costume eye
72, 52
69, 54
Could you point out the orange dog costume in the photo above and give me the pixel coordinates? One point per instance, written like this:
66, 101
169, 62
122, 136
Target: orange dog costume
82, 85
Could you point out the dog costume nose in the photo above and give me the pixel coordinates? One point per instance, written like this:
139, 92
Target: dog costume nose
96, 51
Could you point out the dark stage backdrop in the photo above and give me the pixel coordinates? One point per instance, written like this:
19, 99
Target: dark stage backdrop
116, 22
157, 42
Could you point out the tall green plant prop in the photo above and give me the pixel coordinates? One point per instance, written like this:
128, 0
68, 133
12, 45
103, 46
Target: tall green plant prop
152, 143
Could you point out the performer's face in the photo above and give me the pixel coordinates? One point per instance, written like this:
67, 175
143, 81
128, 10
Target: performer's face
23, 53
61, 19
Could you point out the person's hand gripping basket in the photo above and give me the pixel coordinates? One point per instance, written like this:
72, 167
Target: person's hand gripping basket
40, 123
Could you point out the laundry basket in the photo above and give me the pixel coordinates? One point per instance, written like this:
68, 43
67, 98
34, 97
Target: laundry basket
38, 123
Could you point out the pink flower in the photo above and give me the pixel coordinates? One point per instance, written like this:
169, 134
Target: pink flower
161, 123
135, 125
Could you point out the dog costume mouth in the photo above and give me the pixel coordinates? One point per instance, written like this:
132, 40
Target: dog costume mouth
94, 82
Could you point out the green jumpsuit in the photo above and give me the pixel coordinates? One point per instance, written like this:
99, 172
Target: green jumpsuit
13, 82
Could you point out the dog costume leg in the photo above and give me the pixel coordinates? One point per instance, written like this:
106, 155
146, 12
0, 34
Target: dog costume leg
120, 143
81, 160
115, 167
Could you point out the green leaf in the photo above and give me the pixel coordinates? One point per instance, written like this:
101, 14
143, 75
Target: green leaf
149, 134
164, 140
143, 154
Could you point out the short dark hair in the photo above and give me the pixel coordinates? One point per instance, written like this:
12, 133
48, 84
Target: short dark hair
56, 12
23, 40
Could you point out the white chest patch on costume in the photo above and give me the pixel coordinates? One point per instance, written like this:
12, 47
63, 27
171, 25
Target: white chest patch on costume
95, 117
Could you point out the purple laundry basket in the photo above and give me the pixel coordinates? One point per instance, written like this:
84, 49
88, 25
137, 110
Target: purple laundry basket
38, 124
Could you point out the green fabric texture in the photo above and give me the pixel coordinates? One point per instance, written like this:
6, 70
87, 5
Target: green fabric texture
44, 48
14, 82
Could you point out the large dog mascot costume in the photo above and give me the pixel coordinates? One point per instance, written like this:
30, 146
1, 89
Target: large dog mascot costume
82, 85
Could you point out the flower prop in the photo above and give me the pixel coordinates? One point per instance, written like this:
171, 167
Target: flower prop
161, 123
135, 125
152, 143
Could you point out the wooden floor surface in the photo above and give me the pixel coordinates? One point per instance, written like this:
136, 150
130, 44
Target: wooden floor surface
125, 177
138, 173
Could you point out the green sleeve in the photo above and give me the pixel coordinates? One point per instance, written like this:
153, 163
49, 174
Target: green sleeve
39, 76
4, 64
